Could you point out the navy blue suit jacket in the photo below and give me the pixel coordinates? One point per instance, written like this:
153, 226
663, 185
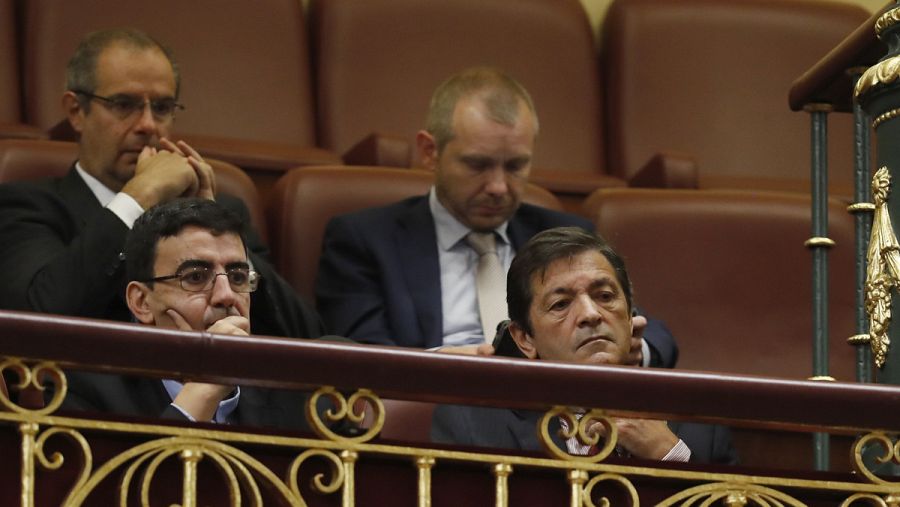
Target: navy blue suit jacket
146, 397
517, 429
379, 275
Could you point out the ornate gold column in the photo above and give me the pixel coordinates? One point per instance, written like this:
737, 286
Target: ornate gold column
878, 93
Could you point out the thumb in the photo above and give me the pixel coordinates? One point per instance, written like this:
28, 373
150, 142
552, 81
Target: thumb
146, 152
638, 324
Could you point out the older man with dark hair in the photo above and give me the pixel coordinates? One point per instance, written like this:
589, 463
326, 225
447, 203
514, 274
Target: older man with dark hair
569, 300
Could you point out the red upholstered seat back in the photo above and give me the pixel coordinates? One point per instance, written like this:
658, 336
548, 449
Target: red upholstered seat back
10, 95
710, 79
729, 273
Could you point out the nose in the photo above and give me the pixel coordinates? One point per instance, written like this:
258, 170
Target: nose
496, 184
222, 295
588, 312
146, 122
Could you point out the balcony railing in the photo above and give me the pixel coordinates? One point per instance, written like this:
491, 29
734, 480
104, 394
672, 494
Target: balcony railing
112, 461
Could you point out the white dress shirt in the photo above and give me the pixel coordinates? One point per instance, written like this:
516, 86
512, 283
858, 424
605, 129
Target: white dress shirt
123, 205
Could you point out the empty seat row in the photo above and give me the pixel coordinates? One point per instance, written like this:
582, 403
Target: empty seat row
688, 93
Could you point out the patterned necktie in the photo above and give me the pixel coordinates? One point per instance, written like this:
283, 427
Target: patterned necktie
490, 282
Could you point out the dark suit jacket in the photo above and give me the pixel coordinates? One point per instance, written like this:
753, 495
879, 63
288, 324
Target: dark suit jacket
517, 429
146, 397
61, 252
379, 275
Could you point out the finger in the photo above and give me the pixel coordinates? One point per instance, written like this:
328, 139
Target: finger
485, 349
596, 428
205, 176
233, 321
170, 146
190, 152
146, 153
638, 325
179, 321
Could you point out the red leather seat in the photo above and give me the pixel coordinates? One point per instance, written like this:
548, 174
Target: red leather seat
11, 125
708, 80
728, 272
305, 199
10, 96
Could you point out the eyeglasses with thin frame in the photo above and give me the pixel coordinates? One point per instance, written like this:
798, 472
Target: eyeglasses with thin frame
201, 279
124, 106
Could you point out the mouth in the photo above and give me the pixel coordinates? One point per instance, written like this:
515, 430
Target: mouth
130, 155
492, 209
595, 340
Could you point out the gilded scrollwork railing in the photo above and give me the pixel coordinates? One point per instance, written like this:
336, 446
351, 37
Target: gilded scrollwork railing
246, 478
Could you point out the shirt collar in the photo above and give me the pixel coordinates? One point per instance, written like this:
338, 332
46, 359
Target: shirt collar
451, 231
100, 191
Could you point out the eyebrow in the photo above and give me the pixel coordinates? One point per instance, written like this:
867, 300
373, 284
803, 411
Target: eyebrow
193, 263
600, 282
476, 159
136, 96
198, 263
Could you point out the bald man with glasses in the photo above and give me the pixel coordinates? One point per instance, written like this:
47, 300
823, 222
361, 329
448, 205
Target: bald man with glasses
61, 240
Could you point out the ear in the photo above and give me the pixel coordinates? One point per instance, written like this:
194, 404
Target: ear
523, 340
426, 148
136, 295
73, 111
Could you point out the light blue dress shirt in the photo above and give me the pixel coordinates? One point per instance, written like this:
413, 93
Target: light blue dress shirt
459, 265
226, 406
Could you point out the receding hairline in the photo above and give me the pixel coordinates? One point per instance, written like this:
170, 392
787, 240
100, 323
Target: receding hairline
82, 67
501, 95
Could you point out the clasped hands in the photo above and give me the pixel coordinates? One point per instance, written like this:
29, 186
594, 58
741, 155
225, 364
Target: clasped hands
169, 171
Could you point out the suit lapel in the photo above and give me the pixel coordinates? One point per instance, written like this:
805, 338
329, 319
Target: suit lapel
520, 230
416, 243
81, 202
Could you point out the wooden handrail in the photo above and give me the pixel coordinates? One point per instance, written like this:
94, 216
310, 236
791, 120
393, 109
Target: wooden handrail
294, 363
828, 80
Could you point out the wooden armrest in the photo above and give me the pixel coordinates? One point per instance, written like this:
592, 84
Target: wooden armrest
573, 182
386, 150
667, 170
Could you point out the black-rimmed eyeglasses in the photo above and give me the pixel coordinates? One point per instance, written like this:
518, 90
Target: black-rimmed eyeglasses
124, 106
201, 279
